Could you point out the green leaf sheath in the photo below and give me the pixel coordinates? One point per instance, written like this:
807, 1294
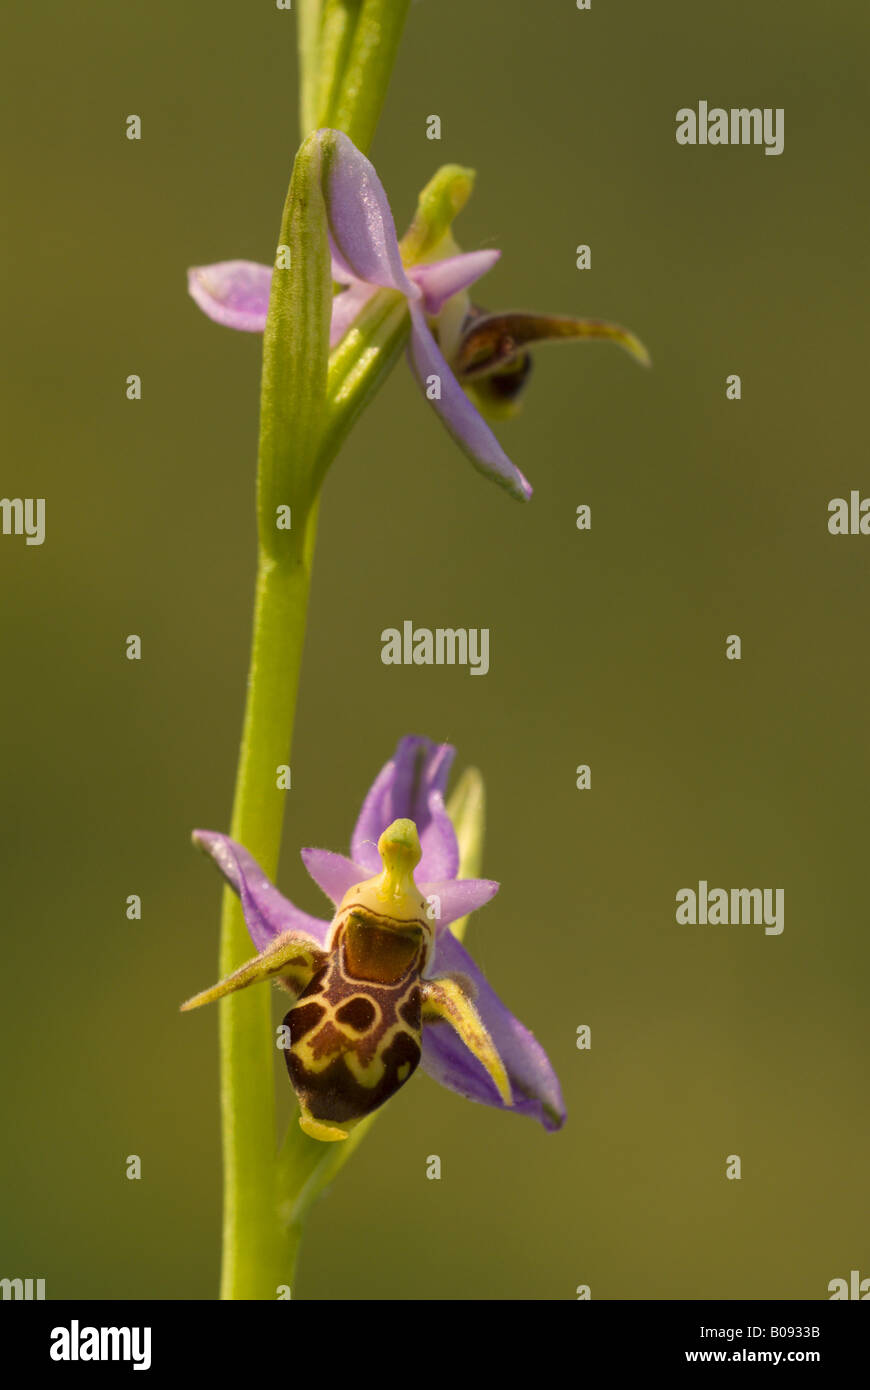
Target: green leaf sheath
355, 43
309, 18
295, 359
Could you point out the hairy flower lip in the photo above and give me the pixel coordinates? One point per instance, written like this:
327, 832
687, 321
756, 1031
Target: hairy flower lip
410, 786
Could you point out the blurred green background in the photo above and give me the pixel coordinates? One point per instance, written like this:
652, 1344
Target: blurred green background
608, 648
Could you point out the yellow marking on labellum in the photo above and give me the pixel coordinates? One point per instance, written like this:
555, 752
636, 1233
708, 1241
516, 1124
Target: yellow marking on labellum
362, 1052
318, 1129
291, 957
448, 998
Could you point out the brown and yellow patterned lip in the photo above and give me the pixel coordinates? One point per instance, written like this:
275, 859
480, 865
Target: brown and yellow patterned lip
352, 1024
355, 1032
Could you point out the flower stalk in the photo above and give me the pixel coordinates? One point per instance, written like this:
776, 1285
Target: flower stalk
349, 76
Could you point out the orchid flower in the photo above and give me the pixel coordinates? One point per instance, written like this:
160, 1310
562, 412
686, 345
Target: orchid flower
385, 985
367, 258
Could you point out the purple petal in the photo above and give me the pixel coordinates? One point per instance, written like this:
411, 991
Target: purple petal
463, 422
333, 873
404, 788
234, 293
535, 1088
267, 912
345, 307
458, 896
442, 279
362, 233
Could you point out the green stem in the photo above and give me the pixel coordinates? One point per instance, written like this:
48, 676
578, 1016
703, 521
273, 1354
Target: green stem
337, 28
308, 48
346, 51
254, 1255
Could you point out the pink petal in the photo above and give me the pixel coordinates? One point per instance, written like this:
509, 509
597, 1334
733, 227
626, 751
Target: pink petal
442, 279
333, 873
458, 896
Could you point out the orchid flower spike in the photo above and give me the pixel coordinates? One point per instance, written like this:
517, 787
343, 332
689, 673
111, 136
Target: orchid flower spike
385, 985
367, 259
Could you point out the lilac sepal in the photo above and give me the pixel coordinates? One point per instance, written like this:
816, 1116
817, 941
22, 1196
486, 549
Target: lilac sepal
411, 786
267, 912
535, 1088
362, 233
463, 423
